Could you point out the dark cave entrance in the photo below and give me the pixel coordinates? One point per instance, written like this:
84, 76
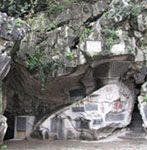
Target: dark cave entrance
136, 122
11, 125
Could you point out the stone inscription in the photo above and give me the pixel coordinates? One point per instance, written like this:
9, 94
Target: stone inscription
78, 109
97, 121
114, 117
94, 47
21, 123
77, 92
91, 107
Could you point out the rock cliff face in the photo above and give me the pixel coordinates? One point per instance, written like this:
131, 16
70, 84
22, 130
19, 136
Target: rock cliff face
11, 32
74, 48
75, 37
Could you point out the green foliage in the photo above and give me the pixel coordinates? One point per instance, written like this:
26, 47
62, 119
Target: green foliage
18, 22
122, 12
21, 8
118, 12
69, 55
110, 37
3, 147
110, 33
34, 60
52, 25
144, 46
43, 65
55, 7
16, 7
136, 10
86, 32
130, 50
145, 98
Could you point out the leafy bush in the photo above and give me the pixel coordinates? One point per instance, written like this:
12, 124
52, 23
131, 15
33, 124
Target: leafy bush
16, 7
145, 98
110, 37
136, 10
21, 8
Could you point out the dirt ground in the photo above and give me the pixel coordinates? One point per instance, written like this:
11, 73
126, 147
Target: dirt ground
137, 144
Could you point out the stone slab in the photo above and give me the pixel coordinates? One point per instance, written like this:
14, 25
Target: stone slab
97, 121
91, 107
78, 109
114, 117
93, 47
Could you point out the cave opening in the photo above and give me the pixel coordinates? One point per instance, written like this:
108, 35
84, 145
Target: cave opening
11, 125
136, 122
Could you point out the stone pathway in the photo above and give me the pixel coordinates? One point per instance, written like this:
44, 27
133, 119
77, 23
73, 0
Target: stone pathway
135, 144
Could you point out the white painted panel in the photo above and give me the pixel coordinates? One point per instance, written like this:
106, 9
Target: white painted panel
93, 47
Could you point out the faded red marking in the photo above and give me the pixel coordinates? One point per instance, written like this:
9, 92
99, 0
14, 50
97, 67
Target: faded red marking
117, 105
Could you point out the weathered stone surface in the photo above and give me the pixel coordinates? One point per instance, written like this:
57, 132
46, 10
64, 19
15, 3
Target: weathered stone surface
3, 127
30, 99
97, 121
142, 99
105, 109
91, 107
4, 65
11, 30
76, 36
73, 37
115, 116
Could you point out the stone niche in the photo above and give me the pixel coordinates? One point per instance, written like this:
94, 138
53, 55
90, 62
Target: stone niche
76, 93
107, 108
109, 71
23, 126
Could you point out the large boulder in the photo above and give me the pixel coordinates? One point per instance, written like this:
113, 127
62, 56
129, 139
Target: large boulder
95, 116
